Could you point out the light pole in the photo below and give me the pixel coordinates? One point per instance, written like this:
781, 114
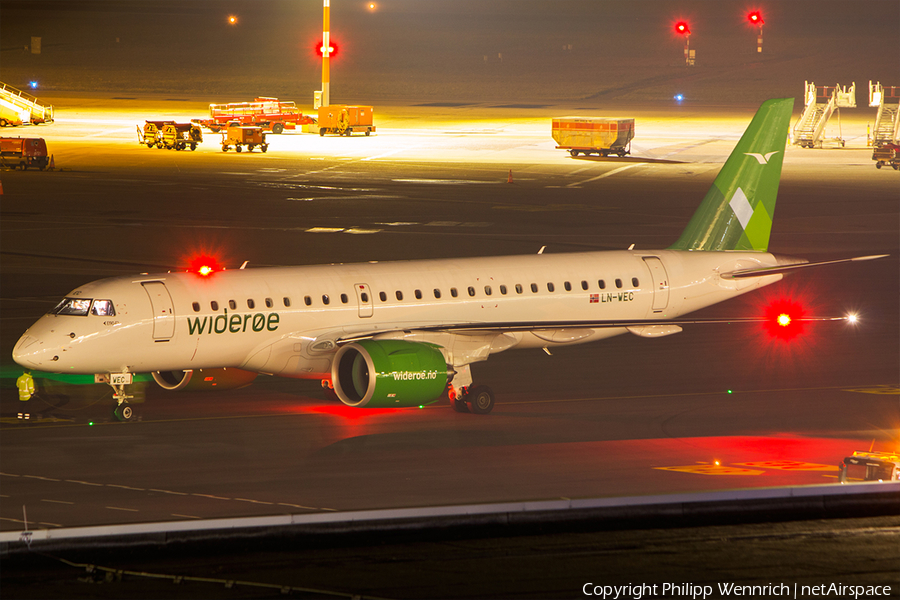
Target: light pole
326, 51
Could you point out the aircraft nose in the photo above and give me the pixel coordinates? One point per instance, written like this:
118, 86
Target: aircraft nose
27, 352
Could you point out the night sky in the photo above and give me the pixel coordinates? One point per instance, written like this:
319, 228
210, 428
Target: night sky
594, 51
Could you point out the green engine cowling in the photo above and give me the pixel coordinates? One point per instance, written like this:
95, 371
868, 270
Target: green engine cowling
388, 373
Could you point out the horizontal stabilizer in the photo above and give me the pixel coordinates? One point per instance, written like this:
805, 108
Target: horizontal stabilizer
763, 271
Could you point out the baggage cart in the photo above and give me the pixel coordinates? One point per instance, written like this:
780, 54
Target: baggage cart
179, 136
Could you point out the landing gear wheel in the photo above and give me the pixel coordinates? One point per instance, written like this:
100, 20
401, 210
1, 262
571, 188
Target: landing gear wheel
459, 405
124, 412
480, 400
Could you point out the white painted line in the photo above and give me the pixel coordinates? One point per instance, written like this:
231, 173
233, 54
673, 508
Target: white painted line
41, 478
607, 174
213, 497
57, 501
185, 516
84, 482
168, 492
125, 509
253, 501
125, 487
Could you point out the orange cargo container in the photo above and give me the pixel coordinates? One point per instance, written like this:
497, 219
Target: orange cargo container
344, 120
588, 135
24, 153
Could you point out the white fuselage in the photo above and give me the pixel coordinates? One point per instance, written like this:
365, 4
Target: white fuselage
288, 320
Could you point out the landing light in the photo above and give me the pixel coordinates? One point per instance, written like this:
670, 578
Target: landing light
852, 318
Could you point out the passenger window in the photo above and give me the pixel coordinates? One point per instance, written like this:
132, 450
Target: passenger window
364, 297
518, 288
418, 294
232, 304
487, 290
307, 300
635, 282
568, 286
269, 303
103, 308
584, 285
503, 289
196, 306
453, 292
251, 303
471, 291
399, 295
534, 288
326, 299
619, 283
287, 302
550, 287
601, 284
383, 296
437, 293
214, 305
344, 299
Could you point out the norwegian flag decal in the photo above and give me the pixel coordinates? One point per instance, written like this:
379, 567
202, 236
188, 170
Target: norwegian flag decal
595, 298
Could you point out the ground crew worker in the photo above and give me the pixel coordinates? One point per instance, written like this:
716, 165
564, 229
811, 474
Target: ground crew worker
25, 383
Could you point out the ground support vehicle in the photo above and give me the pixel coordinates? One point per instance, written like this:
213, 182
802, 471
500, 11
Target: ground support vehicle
593, 135
239, 136
19, 108
152, 133
341, 119
887, 154
24, 153
181, 135
870, 466
268, 113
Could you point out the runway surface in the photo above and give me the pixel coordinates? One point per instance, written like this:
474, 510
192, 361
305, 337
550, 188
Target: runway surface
714, 407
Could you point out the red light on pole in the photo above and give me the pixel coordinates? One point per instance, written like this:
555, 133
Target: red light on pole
755, 18
681, 28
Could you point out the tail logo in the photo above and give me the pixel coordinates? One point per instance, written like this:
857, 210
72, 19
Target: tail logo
762, 158
741, 207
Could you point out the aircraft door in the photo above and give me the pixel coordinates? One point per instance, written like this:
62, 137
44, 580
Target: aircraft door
163, 311
660, 283
364, 297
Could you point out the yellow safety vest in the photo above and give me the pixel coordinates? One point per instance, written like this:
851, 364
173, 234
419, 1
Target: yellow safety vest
25, 383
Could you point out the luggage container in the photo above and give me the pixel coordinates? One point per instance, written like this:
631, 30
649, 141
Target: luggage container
239, 136
24, 153
151, 134
341, 119
181, 135
593, 135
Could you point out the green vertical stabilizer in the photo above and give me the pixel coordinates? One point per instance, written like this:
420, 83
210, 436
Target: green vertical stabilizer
737, 212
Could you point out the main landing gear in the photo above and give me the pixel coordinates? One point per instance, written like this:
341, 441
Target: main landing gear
464, 397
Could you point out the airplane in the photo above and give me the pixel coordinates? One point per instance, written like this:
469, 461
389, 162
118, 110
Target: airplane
405, 333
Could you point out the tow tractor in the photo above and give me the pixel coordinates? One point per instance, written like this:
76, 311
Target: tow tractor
238, 136
887, 154
871, 466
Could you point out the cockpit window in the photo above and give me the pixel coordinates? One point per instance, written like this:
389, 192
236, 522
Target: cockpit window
103, 308
72, 306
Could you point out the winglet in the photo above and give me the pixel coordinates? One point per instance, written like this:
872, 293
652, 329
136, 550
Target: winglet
737, 212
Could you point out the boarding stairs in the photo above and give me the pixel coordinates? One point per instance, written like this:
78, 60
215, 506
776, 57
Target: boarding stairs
821, 103
22, 103
887, 122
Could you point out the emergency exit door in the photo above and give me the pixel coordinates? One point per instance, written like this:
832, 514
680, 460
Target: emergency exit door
163, 312
660, 283
364, 297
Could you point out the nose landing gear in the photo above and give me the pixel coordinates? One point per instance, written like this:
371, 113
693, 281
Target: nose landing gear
118, 381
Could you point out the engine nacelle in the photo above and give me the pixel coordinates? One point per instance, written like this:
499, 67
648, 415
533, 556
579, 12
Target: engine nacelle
388, 373
204, 379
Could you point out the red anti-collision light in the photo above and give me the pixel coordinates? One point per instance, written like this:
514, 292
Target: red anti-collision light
783, 319
204, 265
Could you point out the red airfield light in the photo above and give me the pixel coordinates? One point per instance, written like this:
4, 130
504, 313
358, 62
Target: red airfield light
755, 18
332, 49
784, 319
681, 28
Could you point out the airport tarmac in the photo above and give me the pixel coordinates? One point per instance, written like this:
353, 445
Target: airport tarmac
623, 417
